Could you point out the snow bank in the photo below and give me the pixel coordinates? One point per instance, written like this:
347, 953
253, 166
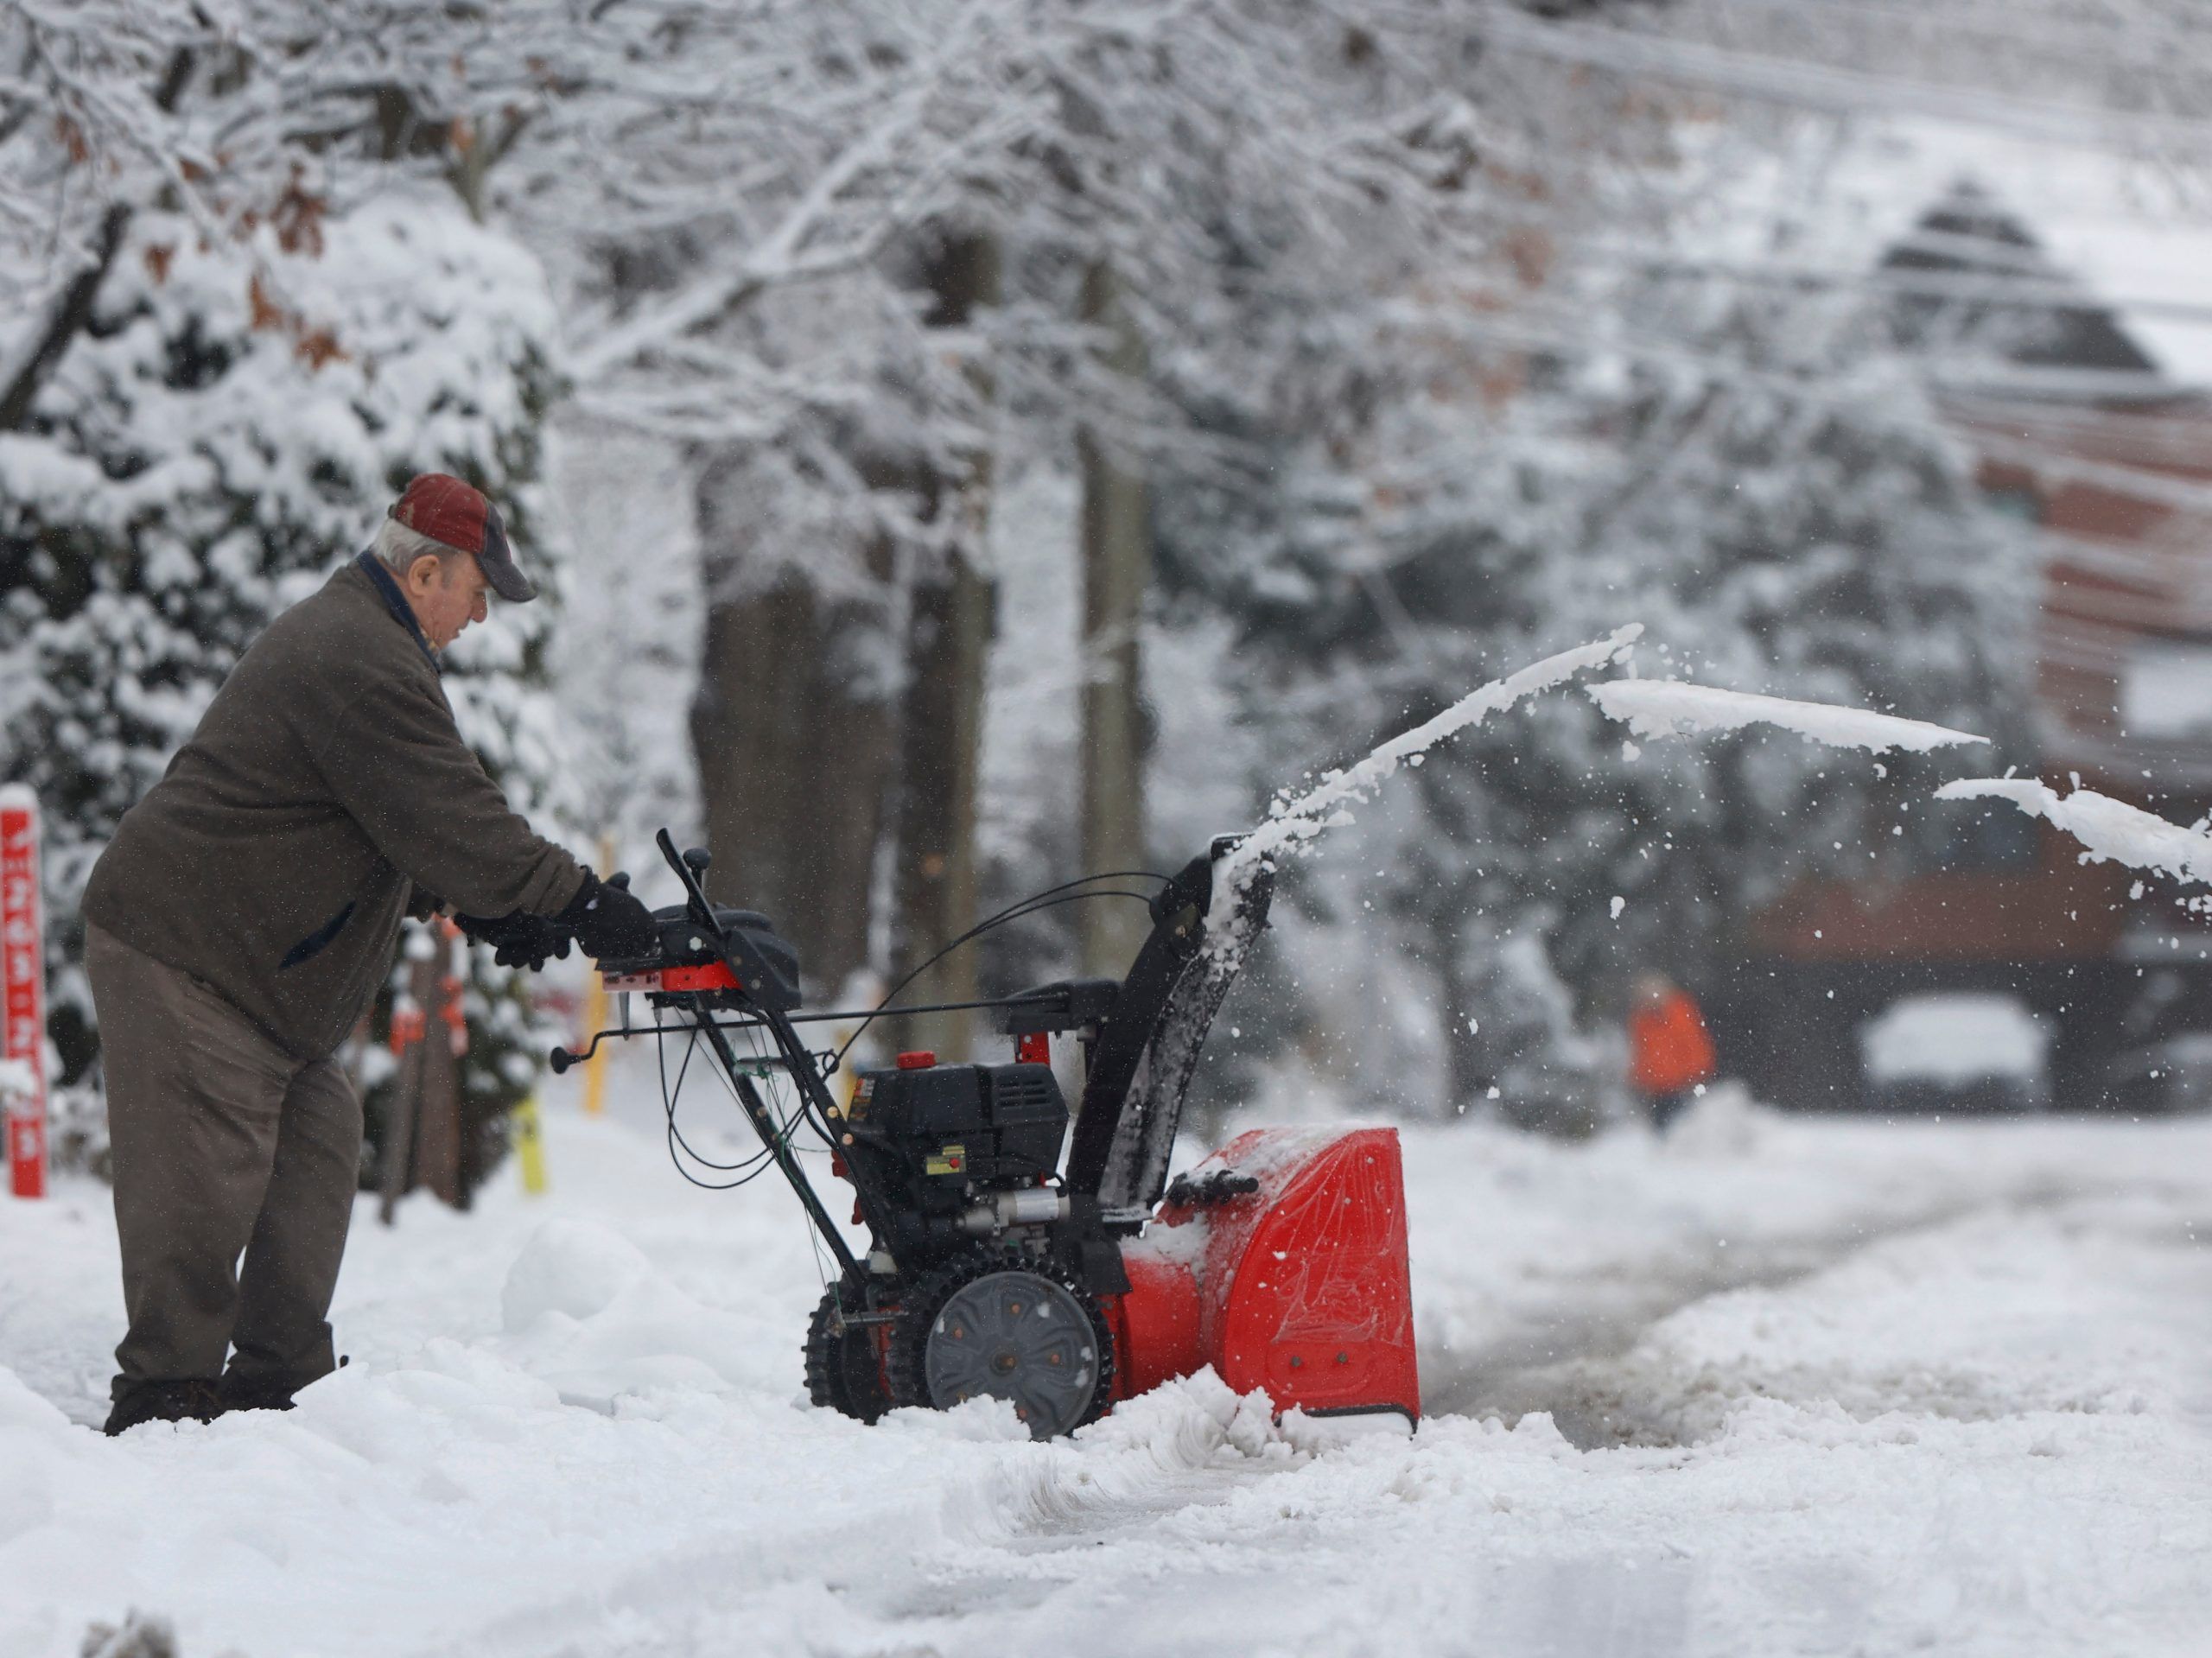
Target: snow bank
1722, 1122
583, 1307
1670, 708
2109, 830
570, 1269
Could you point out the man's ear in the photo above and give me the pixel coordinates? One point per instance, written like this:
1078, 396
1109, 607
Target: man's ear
422, 573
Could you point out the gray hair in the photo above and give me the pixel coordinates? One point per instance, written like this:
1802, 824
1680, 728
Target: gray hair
397, 546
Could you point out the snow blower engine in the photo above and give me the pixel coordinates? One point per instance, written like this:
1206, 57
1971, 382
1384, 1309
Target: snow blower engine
993, 1269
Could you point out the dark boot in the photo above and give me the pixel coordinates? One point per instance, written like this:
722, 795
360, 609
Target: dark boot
267, 1389
258, 1392
189, 1399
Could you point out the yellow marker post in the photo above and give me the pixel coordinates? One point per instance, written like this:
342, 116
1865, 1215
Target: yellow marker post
595, 1009
842, 1087
863, 989
530, 1146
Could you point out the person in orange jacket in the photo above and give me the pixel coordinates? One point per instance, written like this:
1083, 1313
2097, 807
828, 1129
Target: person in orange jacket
1670, 1051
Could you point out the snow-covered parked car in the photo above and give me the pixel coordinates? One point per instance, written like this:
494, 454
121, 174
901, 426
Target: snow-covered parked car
1955, 1051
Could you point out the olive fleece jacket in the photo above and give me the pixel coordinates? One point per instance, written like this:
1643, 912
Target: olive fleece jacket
326, 795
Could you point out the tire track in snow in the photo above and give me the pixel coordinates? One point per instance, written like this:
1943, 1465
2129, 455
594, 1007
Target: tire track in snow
1568, 1367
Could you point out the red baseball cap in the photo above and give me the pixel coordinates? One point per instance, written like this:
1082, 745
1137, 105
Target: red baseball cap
455, 515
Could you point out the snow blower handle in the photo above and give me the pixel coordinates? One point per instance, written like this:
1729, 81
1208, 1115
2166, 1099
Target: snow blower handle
690, 868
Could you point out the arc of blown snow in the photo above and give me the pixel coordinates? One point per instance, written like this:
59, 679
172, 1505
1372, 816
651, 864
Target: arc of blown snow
1291, 823
2109, 830
1649, 709
1653, 708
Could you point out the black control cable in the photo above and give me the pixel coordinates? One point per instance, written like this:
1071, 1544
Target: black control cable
747, 1170
1028, 907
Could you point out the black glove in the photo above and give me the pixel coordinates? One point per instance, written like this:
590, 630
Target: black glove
518, 939
608, 922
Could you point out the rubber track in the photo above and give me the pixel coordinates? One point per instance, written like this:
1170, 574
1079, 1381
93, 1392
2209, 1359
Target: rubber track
840, 1370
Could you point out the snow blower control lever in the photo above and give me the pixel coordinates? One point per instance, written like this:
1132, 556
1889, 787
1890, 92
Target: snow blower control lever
989, 1269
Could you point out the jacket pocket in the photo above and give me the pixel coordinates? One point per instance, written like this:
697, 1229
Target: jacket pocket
316, 942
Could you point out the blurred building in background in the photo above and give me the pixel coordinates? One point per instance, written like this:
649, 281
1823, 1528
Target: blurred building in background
2077, 427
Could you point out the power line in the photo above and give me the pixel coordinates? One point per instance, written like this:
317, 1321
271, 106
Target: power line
1839, 92
2049, 30
2038, 293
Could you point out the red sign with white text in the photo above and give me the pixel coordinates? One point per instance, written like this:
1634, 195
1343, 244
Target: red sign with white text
23, 971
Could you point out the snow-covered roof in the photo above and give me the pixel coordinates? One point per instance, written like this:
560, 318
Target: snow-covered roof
2101, 227
1973, 287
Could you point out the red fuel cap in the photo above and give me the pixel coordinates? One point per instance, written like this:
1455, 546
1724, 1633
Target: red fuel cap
920, 1059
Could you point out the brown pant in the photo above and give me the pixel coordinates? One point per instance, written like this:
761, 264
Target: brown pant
223, 1144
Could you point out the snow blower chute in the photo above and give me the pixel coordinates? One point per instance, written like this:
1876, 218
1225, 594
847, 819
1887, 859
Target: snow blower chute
990, 1269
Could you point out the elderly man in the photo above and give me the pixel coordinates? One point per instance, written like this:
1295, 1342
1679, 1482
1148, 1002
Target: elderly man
240, 921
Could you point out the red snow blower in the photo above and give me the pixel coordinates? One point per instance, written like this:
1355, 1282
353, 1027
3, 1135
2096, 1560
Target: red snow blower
991, 1270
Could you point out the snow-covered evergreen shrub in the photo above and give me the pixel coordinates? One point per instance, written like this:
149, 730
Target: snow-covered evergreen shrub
228, 430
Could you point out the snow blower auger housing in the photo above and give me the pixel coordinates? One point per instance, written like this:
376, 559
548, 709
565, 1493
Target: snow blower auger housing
991, 1269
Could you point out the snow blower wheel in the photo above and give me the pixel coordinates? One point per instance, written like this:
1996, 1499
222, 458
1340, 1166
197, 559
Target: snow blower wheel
990, 1326
843, 1371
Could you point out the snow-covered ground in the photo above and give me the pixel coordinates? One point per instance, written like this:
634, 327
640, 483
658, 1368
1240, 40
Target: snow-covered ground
1777, 1386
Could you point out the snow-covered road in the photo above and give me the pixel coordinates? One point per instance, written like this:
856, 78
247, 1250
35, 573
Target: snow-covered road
1776, 1386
